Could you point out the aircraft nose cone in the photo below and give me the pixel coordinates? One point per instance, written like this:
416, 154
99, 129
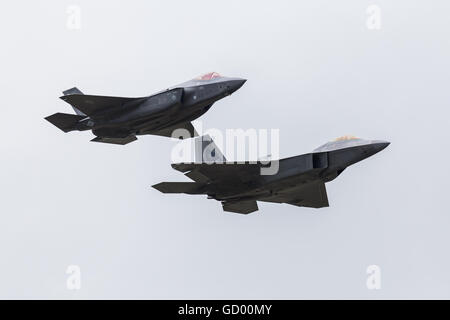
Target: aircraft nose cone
235, 84
377, 146
372, 148
348, 155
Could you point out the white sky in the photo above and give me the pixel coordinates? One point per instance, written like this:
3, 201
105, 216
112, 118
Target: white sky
314, 71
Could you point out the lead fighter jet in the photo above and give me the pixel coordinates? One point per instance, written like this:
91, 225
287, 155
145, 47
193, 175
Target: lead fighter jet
300, 180
118, 120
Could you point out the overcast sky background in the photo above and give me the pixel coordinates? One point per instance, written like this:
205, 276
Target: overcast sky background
314, 70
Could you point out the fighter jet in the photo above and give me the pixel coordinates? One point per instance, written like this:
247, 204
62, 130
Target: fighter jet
118, 120
299, 181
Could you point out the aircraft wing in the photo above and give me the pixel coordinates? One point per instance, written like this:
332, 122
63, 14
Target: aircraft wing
223, 172
91, 105
214, 168
312, 195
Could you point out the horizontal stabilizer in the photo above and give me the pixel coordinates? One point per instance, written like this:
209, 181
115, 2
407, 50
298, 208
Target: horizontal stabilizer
244, 207
64, 121
178, 187
121, 141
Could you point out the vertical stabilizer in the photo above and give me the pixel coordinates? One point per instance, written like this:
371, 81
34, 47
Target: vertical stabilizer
206, 151
73, 91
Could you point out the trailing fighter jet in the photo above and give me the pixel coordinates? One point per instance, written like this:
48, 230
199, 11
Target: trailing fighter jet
300, 180
118, 120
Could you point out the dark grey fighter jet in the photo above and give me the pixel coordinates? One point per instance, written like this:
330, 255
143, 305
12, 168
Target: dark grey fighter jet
118, 120
300, 180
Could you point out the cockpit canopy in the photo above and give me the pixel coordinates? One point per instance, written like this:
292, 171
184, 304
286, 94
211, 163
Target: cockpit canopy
209, 76
341, 142
343, 138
